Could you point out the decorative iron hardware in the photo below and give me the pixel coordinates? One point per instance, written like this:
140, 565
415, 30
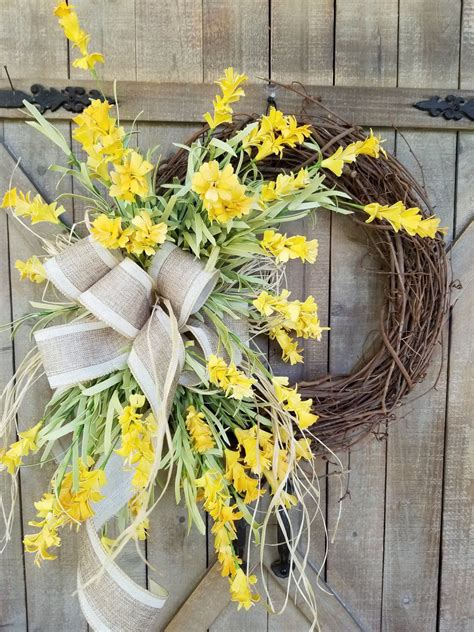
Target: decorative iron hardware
281, 567
71, 98
450, 108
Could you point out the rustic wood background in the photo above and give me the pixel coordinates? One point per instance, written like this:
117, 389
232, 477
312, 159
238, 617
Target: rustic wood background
401, 558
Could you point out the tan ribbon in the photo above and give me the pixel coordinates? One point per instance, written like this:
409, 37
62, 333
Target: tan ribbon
130, 329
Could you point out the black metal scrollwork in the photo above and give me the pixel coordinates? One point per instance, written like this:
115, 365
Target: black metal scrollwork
72, 98
451, 108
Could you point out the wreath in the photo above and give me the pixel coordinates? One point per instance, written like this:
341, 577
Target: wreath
416, 271
147, 329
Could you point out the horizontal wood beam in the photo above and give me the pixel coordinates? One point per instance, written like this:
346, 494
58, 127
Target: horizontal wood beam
186, 102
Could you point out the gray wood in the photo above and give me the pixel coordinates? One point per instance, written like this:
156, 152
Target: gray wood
12, 572
457, 552
366, 53
187, 101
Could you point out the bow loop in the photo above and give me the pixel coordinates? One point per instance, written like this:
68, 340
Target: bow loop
182, 279
122, 298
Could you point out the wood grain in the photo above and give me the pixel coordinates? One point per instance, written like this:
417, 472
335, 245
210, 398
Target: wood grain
13, 614
186, 102
366, 53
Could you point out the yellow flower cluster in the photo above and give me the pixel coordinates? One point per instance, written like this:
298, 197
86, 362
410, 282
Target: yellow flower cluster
229, 378
35, 209
298, 317
199, 430
216, 501
237, 475
31, 269
69, 22
258, 455
129, 179
136, 434
69, 507
100, 138
371, 146
400, 217
275, 132
284, 248
283, 185
231, 93
141, 236
12, 457
292, 402
222, 195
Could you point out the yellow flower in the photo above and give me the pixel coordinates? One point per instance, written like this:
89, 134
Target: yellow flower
145, 235
371, 146
252, 440
284, 185
231, 93
222, 195
108, 231
399, 217
9, 199
264, 303
31, 269
12, 457
229, 378
290, 351
36, 209
291, 400
69, 22
342, 156
241, 592
284, 248
69, 507
199, 430
129, 179
274, 132
88, 62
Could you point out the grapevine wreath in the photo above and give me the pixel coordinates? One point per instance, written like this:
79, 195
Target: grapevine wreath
147, 326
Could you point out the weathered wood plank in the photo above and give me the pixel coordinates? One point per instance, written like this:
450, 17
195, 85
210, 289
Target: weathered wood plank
457, 537
366, 53
302, 41
429, 43
416, 441
111, 26
168, 42
12, 572
428, 55
59, 575
235, 34
186, 102
169, 48
301, 50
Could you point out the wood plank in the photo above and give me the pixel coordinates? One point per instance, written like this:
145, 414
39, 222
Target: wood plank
301, 50
186, 102
235, 34
416, 441
466, 78
457, 554
59, 575
366, 53
429, 43
366, 43
111, 26
169, 48
428, 55
302, 41
12, 573
168, 41
31, 42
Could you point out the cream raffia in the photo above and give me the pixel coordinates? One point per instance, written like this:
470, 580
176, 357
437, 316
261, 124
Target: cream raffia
146, 332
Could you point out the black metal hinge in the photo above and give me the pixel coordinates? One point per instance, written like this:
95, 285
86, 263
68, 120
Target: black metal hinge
71, 98
450, 108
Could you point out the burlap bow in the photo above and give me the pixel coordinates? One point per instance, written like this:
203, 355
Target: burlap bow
130, 329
